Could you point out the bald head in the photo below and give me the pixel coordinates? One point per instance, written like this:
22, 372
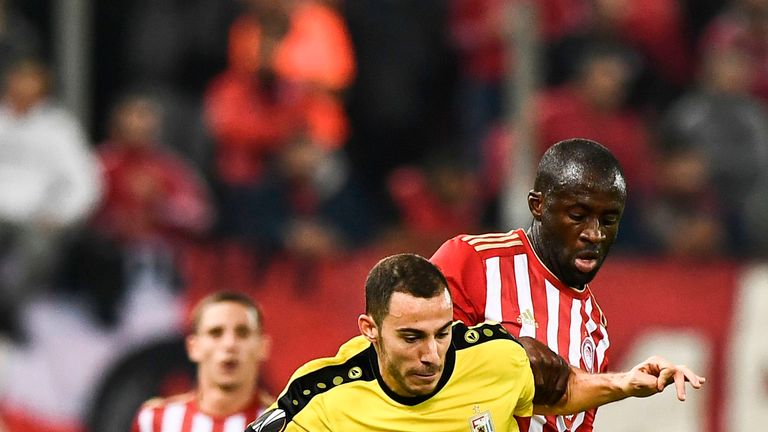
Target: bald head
576, 162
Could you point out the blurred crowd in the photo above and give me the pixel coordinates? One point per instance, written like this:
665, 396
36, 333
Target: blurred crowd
308, 130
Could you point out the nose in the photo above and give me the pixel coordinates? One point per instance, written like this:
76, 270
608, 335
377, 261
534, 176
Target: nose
593, 232
429, 354
229, 340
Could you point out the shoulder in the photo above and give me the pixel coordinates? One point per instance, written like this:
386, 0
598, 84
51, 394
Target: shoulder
467, 337
162, 402
472, 250
315, 379
486, 245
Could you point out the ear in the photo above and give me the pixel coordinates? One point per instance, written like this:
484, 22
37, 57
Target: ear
266, 347
368, 328
192, 349
535, 203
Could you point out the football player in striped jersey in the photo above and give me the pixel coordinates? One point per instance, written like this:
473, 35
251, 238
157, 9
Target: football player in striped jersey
227, 344
535, 281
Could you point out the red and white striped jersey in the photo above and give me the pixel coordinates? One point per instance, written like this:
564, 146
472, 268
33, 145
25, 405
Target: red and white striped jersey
499, 277
181, 414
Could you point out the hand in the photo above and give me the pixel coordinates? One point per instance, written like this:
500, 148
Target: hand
550, 371
656, 373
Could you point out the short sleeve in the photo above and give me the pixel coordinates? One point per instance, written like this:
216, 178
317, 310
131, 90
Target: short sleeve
464, 272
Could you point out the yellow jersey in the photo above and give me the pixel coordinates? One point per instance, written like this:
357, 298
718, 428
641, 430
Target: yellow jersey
486, 381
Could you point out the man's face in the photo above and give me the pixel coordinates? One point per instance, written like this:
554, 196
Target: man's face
227, 347
578, 226
412, 342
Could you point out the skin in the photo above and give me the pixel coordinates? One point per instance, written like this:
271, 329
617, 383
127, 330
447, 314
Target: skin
575, 225
228, 348
411, 342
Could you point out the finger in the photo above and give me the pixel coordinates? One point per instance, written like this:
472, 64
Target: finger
695, 380
664, 378
680, 385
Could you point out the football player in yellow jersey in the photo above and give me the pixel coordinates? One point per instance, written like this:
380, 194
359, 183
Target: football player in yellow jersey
414, 369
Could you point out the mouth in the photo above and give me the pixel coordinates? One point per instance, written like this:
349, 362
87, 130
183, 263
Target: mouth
230, 366
425, 376
586, 262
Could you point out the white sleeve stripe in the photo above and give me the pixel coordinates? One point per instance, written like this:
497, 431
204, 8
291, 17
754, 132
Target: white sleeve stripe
574, 346
553, 316
493, 290
145, 420
524, 295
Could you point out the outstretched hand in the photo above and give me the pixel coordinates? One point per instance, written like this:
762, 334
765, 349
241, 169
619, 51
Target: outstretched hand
656, 373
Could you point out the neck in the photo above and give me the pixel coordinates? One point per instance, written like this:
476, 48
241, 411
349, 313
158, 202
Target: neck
218, 401
539, 246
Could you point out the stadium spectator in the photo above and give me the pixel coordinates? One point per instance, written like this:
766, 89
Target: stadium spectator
286, 67
728, 126
413, 369
228, 345
654, 33
743, 26
309, 205
155, 204
49, 182
684, 218
152, 195
535, 281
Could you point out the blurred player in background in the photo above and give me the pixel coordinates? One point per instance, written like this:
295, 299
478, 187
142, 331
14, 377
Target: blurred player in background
228, 346
535, 282
414, 369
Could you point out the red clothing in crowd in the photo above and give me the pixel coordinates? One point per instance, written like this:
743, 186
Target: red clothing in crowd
562, 113
182, 414
250, 118
499, 277
150, 194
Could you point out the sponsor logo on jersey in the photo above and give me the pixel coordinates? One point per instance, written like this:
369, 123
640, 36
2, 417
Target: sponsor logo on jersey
588, 354
481, 422
527, 318
271, 421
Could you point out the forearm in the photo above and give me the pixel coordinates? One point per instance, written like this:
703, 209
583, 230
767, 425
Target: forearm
586, 391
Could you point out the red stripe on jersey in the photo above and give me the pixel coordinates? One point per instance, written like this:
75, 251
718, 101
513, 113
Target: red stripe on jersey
157, 419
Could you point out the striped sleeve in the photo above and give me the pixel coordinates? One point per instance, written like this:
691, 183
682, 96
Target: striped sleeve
463, 269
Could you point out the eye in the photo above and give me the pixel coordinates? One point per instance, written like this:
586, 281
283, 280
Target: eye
216, 332
443, 335
243, 332
576, 217
610, 220
410, 339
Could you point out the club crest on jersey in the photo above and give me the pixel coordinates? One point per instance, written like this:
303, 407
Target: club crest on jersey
481, 422
588, 354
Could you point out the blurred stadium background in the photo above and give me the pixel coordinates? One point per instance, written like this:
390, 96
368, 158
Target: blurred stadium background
152, 151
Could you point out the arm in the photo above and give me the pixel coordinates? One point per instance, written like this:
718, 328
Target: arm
586, 391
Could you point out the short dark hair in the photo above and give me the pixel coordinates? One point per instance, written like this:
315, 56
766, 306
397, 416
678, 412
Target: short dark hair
407, 273
571, 160
224, 297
